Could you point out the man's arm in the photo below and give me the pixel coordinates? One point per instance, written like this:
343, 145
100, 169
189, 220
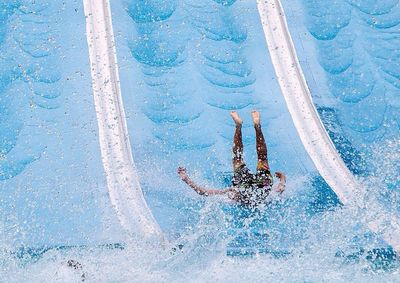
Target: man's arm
282, 182
200, 190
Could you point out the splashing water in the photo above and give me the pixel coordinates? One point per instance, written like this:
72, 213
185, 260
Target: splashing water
332, 245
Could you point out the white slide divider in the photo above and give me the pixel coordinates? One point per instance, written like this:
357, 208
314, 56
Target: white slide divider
122, 179
307, 121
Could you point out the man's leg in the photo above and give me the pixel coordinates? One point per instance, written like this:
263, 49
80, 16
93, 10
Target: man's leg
237, 148
260, 143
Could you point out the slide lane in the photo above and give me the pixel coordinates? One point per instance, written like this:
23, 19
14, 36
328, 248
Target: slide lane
122, 179
306, 119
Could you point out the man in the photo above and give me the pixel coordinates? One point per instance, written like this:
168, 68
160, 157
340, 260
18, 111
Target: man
247, 188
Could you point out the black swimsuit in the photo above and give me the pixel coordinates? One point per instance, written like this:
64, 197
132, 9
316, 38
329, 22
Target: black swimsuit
252, 189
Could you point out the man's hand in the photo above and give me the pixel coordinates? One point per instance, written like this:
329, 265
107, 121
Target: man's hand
280, 175
182, 173
282, 181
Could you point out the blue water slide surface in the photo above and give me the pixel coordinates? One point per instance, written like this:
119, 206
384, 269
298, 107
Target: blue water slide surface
52, 186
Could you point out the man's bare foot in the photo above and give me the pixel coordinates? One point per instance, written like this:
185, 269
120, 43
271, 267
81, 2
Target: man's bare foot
256, 117
236, 118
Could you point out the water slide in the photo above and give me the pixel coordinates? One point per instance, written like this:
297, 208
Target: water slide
183, 66
294, 88
122, 180
305, 117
